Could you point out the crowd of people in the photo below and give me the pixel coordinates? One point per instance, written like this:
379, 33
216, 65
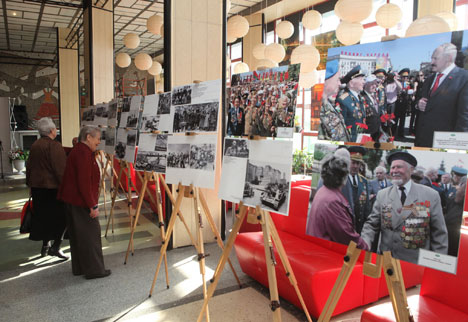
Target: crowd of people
260, 108
378, 105
196, 117
419, 208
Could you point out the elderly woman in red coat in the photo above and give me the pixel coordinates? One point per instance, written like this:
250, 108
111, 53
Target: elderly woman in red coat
330, 216
79, 190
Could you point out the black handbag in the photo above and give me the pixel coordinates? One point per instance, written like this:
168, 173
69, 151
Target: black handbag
26, 217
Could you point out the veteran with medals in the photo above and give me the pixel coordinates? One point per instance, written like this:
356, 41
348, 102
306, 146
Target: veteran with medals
350, 102
408, 215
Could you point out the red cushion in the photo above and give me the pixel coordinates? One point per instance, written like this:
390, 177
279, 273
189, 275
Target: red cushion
422, 308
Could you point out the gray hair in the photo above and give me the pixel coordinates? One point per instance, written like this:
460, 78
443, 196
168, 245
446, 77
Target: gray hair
431, 171
88, 129
419, 171
334, 171
449, 50
45, 125
380, 168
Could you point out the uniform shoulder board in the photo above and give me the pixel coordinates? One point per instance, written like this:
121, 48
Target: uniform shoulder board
344, 95
362, 177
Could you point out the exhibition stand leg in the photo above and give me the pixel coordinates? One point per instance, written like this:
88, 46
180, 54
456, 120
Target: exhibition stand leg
114, 196
393, 277
270, 234
104, 162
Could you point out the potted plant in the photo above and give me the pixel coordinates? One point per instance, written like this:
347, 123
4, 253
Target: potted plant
18, 157
302, 162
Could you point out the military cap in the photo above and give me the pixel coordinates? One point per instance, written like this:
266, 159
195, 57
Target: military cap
459, 171
402, 155
380, 70
404, 72
353, 73
357, 152
332, 68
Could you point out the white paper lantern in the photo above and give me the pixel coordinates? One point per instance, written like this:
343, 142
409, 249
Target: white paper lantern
123, 60
349, 33
312, 19
306, 55
259, 51
427, 25
388, 15
307, 80
284, 29
450, 18
155, 69
265, 63
353, 10
143, 61
275, 52
230, 38
131, 40
161, 30
153, 24
241, 68
238, 26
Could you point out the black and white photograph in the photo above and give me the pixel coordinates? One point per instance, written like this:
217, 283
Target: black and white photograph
110, 140
151, 161
196, 117
130, 112
131, 138
125, 144
236, 148
102, 144
202, 156
161, 142
87, 116
132, 119
182, 95
150, 123
178, 155
126, 104
112, 113
164, 104
191, 160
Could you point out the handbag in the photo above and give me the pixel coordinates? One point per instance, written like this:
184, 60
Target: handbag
26, 217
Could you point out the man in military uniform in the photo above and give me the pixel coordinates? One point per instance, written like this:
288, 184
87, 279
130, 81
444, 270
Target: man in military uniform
371, 107
381, 75
403, 104
457, 174
332, 124
350, 101
408, 215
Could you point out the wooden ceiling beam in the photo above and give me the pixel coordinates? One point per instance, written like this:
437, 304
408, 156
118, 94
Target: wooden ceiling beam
39, 18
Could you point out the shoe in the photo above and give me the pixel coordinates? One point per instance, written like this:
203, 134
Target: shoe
57, 252
44, 251
106, 273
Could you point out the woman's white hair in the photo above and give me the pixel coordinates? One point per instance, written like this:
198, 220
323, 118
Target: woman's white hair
45, 125
88, 129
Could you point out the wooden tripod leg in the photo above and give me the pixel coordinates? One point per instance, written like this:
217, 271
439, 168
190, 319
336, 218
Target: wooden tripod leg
270, 264
285, 260
161, 221
201, 247
215, 231
223, 259
396, 288
114, 196
169, 232
137, 215
352, 254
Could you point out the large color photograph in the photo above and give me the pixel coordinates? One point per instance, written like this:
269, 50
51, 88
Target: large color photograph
408, 202
400, 91
263, 102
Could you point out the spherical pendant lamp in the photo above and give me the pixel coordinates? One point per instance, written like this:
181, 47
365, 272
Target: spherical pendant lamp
450, 18
427, 25
306, 55
353, 10
349, 33
153, 24
143, 61
307, 80
241, 68
131, 40
312, 19
123, 60
275, 52
388, 15
238, 26
284, 29
155, 69
259, 51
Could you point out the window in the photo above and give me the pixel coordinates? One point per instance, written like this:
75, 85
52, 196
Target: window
461, 11
234, 51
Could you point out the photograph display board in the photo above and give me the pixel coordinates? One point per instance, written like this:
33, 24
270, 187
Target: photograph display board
165, 113
258, 173
191, 160
263, 102
112, 113
152, 152
405, 105
150, 119
130, 112
100, 117
87, 115
102, 144
110, 140
365, 206
125, 144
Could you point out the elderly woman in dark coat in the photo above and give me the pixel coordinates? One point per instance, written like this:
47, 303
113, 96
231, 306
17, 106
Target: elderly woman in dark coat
330, 216
44, 172
79, 191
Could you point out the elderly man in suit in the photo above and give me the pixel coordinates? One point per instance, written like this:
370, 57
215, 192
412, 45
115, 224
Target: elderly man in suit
444, 102
408, 215
447, 186
380, 182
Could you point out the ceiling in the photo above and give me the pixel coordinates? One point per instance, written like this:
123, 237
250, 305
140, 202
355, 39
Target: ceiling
28, 27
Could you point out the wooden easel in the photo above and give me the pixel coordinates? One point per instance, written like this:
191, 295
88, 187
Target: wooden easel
195, 194
257, 215
104, 162
123, 165
393, 277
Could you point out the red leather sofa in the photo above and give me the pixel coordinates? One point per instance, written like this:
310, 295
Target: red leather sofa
442, 296
316, 263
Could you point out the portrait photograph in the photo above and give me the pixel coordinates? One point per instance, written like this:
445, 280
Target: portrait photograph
181, 95
164, 105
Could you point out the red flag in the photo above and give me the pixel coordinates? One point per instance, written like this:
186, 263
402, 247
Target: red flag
286, 76
255, 74
281, 77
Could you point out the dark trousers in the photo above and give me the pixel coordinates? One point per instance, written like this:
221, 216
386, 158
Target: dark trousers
85, 241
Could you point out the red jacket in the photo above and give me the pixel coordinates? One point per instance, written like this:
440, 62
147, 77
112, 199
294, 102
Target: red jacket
80, 184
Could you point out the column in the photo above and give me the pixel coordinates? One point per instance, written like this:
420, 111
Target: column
253, 37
